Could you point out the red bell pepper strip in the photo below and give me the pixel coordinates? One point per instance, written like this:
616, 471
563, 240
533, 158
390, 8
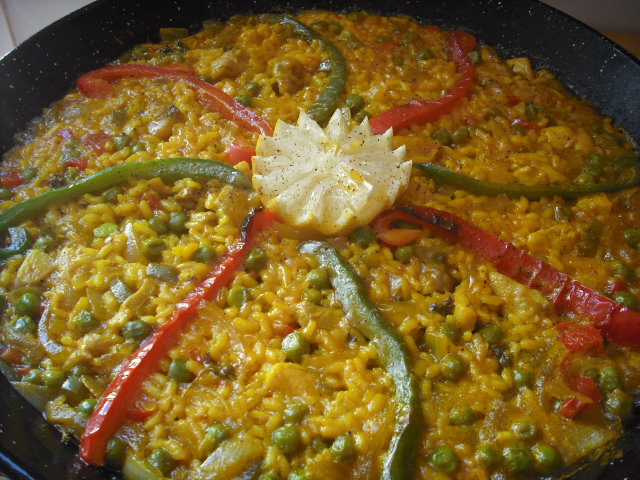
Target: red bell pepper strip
418, 112
616, 322
396, 237
114, 405
571, 407
10, 179
95, 84
240, 151
97, 141
581, 338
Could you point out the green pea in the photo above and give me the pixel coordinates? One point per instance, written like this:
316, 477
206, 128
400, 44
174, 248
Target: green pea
252, 88
162, 272
245, 99
522, 378
24, 325
136, 330
177, 221
355, 103
451, 331
609, 379
313, 295
444, 459
162, 460
120, 289
452, 368
28, 304
343, 448
619, 403
517, 458
53, 377
621, 270
300, 474
5, 193
425, 54
85, 407
411, 38
492, 334
110, 195
462, 416
287, 438
442, 136
152, 248
204, 254
218, 432
295, 346
530, 111
476, 57
546, 458
627, 299
524, 429
34, 376
318, 278
356, 16
105, 230
158, 225
294, 412
179, 372
116, 452
363, 236
487, 456
85, 322
404, 254
460, 136
518, 129
632, 236
361, 115
44, 242
256, 260
237, 296
121, 141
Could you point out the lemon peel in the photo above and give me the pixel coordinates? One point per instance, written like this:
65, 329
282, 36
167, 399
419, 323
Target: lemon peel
329, 180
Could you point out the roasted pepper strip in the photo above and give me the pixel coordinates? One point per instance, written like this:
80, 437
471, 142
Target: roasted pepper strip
616, 322
113, 406
95, 84
418, 112
19, 243
517, 190
169, 169
327, 101
393, 355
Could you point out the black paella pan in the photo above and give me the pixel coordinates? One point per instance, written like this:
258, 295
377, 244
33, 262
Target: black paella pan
45, 67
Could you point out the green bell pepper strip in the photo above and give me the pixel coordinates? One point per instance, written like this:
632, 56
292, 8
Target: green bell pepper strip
517, 190
19, 243
327, 101
400, 461
169, 169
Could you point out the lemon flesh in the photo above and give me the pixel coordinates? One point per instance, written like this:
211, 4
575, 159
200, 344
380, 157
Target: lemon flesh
329, 180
